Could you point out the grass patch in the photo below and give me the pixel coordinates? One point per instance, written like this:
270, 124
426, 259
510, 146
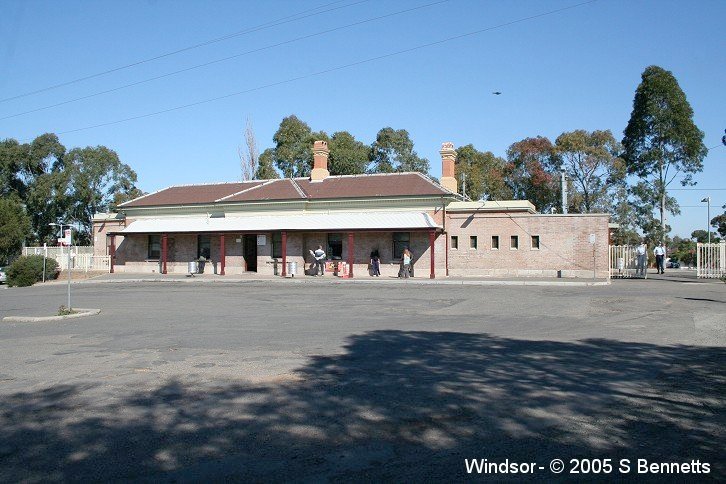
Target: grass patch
64, 311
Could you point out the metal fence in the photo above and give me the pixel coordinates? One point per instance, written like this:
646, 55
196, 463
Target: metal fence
711, 260
82, 258
623, 262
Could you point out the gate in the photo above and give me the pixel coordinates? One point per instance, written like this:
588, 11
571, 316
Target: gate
623, 262
711, 260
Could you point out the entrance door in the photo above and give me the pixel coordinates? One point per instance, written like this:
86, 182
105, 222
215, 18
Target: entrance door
250, 253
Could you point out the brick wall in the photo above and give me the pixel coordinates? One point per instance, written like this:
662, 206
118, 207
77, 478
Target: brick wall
564, 245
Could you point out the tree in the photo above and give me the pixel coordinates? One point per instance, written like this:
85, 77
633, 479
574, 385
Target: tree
590, 160
14, 228
623, 214
719, 223
266, 166
661, 140
701, 236
293, 147
248, 154
348, 156
33, 173
392, 151
95, 177
481, 174
531, 172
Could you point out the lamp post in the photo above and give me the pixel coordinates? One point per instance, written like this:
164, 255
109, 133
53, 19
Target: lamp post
708, 220
68, 267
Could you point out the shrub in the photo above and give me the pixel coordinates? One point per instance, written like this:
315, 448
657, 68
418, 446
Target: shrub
28, 270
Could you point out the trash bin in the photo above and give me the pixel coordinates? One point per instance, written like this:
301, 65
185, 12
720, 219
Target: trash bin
193, 267
291, 269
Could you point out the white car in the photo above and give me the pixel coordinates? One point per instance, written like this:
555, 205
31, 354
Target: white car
3, 277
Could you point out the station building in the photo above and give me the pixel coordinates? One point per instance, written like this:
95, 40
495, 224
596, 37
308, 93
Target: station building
261, 225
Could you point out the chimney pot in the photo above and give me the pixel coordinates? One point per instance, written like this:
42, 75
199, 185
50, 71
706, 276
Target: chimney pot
320, 161
448, 163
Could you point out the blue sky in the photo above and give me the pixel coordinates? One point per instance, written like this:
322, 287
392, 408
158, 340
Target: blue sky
575, 69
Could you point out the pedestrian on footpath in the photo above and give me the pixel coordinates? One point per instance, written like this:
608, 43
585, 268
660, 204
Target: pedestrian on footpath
641, 253
319, 256
659, 253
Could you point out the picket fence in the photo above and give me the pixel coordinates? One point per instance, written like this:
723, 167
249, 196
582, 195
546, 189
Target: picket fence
82, 258
623, 262
711, 260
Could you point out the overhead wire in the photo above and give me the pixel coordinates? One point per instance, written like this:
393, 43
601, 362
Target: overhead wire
266, 25
332, 69
235, 56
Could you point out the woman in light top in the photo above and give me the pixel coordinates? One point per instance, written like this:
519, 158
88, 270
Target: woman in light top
406, 263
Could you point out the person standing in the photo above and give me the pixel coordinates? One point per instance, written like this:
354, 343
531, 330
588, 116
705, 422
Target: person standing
320, 256
659, 252
406, 263
641, 253
375, 263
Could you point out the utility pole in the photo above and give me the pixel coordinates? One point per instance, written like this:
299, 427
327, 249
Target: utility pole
708, 217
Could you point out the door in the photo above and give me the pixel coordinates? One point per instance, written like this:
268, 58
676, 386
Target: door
250, 253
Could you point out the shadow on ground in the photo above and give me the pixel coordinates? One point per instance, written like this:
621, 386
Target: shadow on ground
396, 406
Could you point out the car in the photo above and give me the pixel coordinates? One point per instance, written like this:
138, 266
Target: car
674, 264
3, 276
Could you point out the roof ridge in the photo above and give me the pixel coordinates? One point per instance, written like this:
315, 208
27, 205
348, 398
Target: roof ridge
436, 184
299, 189
267, 182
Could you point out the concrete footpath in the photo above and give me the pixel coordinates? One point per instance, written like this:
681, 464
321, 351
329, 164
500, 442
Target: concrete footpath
238, 278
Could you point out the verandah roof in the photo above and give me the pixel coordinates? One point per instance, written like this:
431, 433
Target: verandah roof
383, 221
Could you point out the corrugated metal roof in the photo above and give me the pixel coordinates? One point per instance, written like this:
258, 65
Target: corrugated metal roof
267, 223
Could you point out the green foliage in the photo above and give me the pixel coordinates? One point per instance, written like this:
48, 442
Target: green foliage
56, 185
661, 141
532, 172
591, 162
683, 250
95, 176
14, 228
701, 236
266, 166
482, 173
348, 156
392, 151
293, 147
27, 270
719, 223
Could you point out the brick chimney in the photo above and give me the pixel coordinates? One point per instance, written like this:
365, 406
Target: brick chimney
448, 159
320, 161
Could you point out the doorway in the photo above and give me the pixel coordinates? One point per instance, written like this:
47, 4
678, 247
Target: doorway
250, 252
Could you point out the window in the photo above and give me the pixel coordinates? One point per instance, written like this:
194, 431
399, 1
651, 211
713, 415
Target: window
495, 242
401, 240
277, 245
472, 242
204, 247
514, 242
154, 247
535, 242
335, 246
454, 242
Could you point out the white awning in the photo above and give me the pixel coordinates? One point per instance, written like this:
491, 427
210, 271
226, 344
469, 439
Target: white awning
268, 223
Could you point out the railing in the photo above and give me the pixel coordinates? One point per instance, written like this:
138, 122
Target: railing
711, 260
623, 262
82, 258
57, 252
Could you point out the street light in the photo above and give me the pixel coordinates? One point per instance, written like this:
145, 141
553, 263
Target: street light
70, 243
708, 220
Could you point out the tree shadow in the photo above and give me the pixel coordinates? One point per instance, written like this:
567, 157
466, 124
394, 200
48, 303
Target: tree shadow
396, 405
